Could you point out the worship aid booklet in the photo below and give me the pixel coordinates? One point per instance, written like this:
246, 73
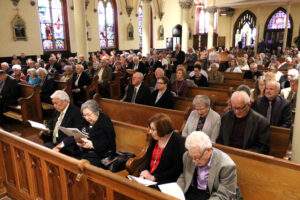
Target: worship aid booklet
38, 125
172, 189
73, 132
142, 181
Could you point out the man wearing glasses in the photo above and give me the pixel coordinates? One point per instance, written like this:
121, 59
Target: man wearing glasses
243, 128
208, 173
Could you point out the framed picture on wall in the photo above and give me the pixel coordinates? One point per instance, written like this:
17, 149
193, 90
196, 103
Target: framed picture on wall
130, 32
18, 28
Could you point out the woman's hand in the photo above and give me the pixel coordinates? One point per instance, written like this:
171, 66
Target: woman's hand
85, 143
147, 175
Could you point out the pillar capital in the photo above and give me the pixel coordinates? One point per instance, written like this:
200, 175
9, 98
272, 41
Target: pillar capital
186, 4
211, 9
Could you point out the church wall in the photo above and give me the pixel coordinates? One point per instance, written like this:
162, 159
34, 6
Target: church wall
8, 46
262, 13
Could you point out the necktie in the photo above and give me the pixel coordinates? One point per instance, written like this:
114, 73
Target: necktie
57, 125
200, 124
134, 95
269, 111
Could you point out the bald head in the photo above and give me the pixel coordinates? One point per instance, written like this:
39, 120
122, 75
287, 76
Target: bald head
240, 103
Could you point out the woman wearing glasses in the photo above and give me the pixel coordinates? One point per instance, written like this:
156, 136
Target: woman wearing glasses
164, 155
162, 97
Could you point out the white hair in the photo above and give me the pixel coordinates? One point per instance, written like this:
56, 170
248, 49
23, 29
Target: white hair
5, 64
293, 73
40, 69
60, 94
273, 82
32, 71
66, 67
241, 94
17, 67
198, 139
201, 100
140, 75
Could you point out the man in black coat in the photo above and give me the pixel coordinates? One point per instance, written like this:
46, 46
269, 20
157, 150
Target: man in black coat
68, 116
80, 81
47, 85
139, 66
137, 92
9, 93
178, 56
275, 108
244, 128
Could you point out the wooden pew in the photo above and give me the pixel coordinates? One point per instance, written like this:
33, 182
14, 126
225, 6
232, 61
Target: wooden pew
259, 176
29, 105
139, 114
32, 171
215, 94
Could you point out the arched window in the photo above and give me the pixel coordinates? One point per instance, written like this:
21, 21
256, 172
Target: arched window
274, 29
52, 24
244, 30
140, 25
107, 24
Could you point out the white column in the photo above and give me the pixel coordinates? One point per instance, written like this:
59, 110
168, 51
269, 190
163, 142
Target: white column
185, 9
296, 132
80, 28
210, 34
146, 27
286, 26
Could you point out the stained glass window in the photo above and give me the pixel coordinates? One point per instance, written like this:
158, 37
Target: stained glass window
140, 25
107, 30
203, 19
277, 21
52, 25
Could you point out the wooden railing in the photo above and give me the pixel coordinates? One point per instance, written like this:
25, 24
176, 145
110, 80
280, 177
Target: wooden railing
30, 171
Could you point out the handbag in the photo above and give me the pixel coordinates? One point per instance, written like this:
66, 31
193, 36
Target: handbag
116, 162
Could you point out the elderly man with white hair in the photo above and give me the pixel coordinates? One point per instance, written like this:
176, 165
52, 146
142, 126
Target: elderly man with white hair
208, 173
5, 67
47, 85
137, 91
18, 74
275, 108
66, 115
242, 127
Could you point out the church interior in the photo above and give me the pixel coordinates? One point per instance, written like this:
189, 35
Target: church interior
136, 99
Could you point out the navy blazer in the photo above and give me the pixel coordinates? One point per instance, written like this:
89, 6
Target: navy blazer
143, 96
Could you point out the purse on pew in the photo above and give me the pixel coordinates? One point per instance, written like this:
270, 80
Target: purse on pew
116, 162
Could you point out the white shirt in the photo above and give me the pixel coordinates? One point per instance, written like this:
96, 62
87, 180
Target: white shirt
100, 74
77, 80
159, 95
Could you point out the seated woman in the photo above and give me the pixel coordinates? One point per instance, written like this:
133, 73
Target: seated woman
180, 86
214, 75
17, 74
32, 77
259, 90
68, 73
203, 118
164, 155
101, 135
162, 97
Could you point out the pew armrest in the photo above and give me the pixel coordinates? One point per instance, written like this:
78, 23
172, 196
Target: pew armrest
133, 165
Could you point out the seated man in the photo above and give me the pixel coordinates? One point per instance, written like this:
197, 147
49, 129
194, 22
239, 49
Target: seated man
199, 79
137, 92
242, 127
208, 173
47, 85
68, 116
9, 92
275, 108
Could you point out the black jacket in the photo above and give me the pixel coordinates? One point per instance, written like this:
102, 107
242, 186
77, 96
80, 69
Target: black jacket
170, 165
143, 96
281, 110
72, 119
48, 87
257, 131
10, 93
165, 101
102, 135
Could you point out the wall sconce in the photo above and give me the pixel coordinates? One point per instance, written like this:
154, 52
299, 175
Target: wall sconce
15, 2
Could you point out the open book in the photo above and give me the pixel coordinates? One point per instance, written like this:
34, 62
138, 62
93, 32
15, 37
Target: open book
73, 132
142, 181
172, 189
38, 126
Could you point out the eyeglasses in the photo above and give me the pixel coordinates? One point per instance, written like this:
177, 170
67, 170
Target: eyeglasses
240, 109
198, 158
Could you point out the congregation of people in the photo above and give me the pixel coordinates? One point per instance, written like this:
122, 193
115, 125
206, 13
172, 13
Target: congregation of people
188, 156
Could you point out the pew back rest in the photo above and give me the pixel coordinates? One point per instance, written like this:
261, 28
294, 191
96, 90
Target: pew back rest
137, 114
30, 171
215, 94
